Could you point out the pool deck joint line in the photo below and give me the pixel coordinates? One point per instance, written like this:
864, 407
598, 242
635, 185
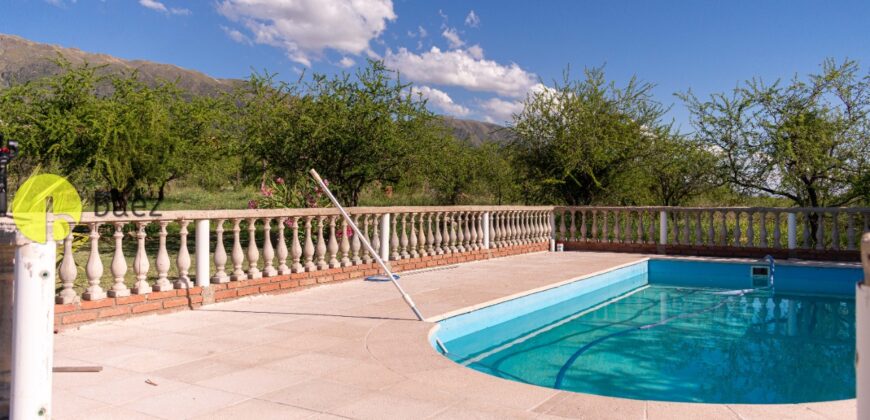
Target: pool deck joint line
348, 350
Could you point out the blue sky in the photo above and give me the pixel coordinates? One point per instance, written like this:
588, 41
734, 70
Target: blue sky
474, 65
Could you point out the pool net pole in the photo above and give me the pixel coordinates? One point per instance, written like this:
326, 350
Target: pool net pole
862, 333
368, 245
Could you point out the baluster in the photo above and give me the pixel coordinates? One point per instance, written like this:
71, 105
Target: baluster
698, 240
376, 237
182, 260
762, 220
820, 231
471, 232
355, 244
724, 239
461, 236
421, 236
412, 238
253, 251
512, 228
332, 246
119, 264
308, 248
446, 234
344, 246
283, 252
573, 229
737, 231
807, 228
431, 233
651, 233
616, 228
394, 240
437, 236
750, 231
687, 220
220, 255
835, 230
296, 249
640, 229
850, 232
238, 255
777, 230
478, 225
366, 254
583, 236
494, 231
605, 226
268, 252
68, 272
711, 228
321, 244
94, 268
563, 231
162, 262
140, 263
403, 238
427, 239
521, 227
594, 237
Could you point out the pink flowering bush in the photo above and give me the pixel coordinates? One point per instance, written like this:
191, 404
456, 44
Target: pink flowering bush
277, 193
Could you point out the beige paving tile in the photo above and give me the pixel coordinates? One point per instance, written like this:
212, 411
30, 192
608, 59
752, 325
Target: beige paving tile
256, 355
259, 410
381, 406
313, 364
130, 388
151, 360
253, 381
471, 410
111, 413
844, 409
585, 406
309, 341
65, 404
317, 395
67, 380
780, 411
661, 410
198, 370
186, 402
366, 375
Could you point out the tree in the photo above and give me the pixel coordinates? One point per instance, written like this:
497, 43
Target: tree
678, 170
355, 132
575, 140
807, 141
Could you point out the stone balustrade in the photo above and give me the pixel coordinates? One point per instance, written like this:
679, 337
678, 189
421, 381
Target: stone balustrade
109, 256
823, 231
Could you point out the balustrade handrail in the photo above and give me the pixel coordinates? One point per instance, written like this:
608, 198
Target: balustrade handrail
728, 208
145, 215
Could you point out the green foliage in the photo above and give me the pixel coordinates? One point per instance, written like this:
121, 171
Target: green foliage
577, 140
808, 141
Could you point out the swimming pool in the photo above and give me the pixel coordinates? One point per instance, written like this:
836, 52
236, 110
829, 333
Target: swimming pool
673, 330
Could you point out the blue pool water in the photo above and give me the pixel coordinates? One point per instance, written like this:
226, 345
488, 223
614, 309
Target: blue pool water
674, 331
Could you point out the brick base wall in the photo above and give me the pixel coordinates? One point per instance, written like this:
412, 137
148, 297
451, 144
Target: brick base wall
716, 251
180, 299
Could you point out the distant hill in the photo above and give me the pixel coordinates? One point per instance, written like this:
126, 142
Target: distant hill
22, 60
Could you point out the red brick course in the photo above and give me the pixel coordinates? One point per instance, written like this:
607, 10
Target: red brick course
181, 299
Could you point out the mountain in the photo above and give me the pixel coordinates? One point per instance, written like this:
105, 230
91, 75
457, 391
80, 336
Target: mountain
22, 60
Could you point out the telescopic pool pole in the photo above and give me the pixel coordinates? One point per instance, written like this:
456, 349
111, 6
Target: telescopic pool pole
366, 243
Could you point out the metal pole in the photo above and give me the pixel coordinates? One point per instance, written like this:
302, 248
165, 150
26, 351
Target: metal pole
366, 243
33, 327
862, 333
486, 230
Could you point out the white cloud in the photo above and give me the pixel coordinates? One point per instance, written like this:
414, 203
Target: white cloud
160, 7
441, 100
472, 19
304, 28
476, 52
346, 62
461, 68
452, 38
497, 110
237, 36
422, 31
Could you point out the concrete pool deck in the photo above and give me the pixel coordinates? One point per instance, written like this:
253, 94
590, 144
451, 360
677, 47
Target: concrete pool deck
347, 350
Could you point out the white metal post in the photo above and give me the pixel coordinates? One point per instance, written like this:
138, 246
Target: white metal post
792, 231
486, 230
663, 227
385, 237
33, 328
552, 231
862, 333
202, 253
